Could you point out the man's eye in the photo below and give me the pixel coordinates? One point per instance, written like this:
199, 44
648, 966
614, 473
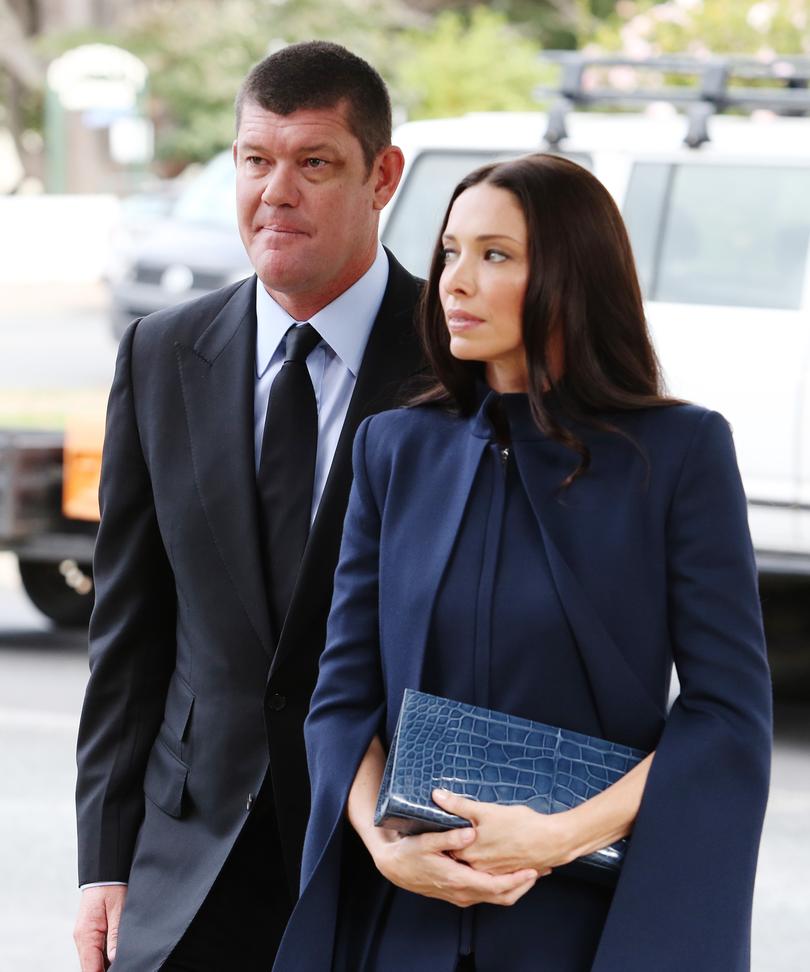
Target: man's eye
495, 256
315, 163
254, 159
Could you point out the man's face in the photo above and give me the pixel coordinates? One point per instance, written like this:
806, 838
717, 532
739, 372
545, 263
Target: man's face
308, 209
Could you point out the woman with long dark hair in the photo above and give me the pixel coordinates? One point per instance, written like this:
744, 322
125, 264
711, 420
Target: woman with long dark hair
543, 533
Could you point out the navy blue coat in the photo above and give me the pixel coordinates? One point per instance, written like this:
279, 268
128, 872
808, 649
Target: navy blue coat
651, 556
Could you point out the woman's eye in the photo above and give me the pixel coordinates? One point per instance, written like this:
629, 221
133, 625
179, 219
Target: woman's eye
495, 256
447, 254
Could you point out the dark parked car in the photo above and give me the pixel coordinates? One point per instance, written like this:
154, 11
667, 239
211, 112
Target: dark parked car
195, 248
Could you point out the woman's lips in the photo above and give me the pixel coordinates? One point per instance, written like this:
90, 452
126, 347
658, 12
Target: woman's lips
458, 322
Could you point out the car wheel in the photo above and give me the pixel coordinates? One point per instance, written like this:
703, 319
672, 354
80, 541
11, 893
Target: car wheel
63, 590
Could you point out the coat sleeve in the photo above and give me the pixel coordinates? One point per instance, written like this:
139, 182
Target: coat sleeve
132, 645
347, 709
684, 898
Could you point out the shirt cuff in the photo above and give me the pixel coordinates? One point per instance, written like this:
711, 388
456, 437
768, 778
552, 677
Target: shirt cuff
103, 884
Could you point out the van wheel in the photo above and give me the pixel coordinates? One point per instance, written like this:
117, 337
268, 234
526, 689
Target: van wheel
63, 591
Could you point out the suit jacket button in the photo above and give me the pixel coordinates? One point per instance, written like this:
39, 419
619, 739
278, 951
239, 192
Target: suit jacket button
277, 702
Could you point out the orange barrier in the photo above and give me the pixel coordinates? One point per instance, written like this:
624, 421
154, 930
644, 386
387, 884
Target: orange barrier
81, 468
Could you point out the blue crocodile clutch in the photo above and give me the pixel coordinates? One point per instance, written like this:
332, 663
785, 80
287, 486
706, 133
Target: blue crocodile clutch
496, 758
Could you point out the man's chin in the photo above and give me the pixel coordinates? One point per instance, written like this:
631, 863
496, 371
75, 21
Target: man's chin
282, 275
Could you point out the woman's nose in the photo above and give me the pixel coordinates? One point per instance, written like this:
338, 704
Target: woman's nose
458, 278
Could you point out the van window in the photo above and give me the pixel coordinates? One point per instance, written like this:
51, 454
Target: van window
416, 219
734, 235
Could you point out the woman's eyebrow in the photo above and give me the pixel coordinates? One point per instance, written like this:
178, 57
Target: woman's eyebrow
483, 237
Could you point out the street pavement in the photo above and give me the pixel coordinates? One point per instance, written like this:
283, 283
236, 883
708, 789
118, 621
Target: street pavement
42, 678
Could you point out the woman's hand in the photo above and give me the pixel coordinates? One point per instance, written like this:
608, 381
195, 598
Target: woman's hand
508, 838
422, 864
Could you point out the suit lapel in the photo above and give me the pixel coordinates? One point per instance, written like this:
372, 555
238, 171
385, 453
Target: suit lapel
217, 376
392, 355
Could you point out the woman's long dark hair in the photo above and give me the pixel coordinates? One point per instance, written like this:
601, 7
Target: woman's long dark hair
582, 281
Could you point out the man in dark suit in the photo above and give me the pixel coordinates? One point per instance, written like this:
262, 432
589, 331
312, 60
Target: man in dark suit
220, 528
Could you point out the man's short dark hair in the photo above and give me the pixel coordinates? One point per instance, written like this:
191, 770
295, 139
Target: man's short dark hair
319, 74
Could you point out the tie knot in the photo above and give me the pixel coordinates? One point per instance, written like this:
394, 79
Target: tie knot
300, 341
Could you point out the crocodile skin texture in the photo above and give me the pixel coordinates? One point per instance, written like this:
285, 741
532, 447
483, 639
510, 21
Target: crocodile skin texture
496, 758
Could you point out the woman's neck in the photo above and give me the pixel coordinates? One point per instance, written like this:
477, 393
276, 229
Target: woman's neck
507, 378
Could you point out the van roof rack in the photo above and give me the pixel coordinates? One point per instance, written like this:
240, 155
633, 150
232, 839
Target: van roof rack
715, 89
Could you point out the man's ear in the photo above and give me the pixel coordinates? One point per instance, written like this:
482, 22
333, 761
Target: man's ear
234, 151
386, 173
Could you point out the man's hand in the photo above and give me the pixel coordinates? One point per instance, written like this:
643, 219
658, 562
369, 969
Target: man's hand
421, 864
96, 931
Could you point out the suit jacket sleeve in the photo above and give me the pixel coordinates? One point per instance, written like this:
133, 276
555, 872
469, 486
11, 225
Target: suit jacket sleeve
132, 645
684, 898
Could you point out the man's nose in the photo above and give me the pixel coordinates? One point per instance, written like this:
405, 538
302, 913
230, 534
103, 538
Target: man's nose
280, 188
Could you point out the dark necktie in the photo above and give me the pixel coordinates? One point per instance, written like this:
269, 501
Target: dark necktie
287, 469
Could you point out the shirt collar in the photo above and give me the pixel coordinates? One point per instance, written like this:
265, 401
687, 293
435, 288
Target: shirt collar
345, 324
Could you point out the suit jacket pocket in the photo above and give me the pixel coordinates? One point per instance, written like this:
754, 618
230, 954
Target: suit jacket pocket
165, 779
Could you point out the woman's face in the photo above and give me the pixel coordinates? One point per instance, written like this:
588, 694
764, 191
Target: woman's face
483, 283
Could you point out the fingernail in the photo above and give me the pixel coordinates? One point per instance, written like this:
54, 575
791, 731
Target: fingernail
441, 791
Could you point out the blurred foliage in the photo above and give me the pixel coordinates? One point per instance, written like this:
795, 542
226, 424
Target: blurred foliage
439, 57
479, 62
198, 51
700, 27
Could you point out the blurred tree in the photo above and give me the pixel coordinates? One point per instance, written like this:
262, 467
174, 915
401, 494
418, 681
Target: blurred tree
552, 23
22, 77
470, 62
198, 51
643, 27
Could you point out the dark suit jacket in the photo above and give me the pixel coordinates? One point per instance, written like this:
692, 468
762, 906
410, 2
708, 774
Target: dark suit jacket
652, 560
189, 683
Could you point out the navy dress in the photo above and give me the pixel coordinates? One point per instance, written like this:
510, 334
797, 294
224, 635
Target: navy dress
521, 658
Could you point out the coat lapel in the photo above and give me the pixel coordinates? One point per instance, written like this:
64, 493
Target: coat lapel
621, 700
391, 357
434, 530
217, 376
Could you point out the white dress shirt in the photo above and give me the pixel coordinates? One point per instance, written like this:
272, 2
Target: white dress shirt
344, 327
